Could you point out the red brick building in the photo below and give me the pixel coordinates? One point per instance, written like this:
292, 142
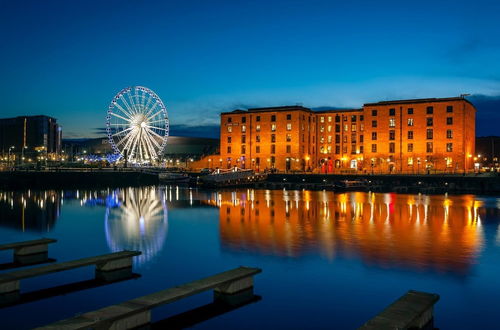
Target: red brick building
404, 136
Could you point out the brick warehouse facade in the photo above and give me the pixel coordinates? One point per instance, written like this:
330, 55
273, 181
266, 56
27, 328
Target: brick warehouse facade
404, 136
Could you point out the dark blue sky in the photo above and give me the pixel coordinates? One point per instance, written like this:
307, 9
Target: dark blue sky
68, 59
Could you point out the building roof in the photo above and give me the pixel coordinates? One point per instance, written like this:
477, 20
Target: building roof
338, 110
270, 109
427, 100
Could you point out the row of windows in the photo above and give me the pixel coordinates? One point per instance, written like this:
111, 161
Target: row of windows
429, 110
337, 118
410, 121
328, 149
257, 149
429, 134
392, 112
429, 147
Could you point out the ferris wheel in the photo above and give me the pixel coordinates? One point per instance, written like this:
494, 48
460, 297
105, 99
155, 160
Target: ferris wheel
137, 125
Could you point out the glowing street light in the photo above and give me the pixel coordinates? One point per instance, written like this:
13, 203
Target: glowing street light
10, 148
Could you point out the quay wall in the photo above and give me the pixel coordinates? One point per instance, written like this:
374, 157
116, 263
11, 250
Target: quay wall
396, 183
74, 179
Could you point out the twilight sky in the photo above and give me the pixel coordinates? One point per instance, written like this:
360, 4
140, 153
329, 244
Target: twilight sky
67, 59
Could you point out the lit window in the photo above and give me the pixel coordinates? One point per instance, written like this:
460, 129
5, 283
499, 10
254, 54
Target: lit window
329, 139
449, 162
410, 121
321, 119
257, 128
392, 122
329, 119
230, 129
322, 128
410, 161
288, 137
288, 126
346, 128
273, 127
329, 149
353, 127
329, 127
361, 127
321, 139
243, 128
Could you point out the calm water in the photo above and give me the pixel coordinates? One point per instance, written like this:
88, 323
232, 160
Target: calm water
328, 259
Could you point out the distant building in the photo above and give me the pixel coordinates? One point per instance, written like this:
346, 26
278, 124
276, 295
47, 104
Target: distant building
404, 136
30, 136
488, 151
178, 151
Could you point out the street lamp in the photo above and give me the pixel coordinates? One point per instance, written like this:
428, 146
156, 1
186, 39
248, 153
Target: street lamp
8, 159
22, 153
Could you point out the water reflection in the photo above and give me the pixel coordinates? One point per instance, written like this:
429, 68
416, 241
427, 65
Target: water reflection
137, 220
439, 233
30, 210
134, 218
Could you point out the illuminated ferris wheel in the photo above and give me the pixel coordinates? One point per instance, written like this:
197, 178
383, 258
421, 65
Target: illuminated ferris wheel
137, 125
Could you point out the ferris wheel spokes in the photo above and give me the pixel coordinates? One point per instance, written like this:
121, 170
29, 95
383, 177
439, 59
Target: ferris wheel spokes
137, 121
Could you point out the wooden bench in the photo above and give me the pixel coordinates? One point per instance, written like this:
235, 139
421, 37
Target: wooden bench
137, 312
414, 310
109, 267
30, 252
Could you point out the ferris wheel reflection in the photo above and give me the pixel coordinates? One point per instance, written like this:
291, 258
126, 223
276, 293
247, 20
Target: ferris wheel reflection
137, 219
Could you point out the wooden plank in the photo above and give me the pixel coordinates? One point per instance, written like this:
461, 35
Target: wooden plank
32, 272
405, 312
16, 245
142, 304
